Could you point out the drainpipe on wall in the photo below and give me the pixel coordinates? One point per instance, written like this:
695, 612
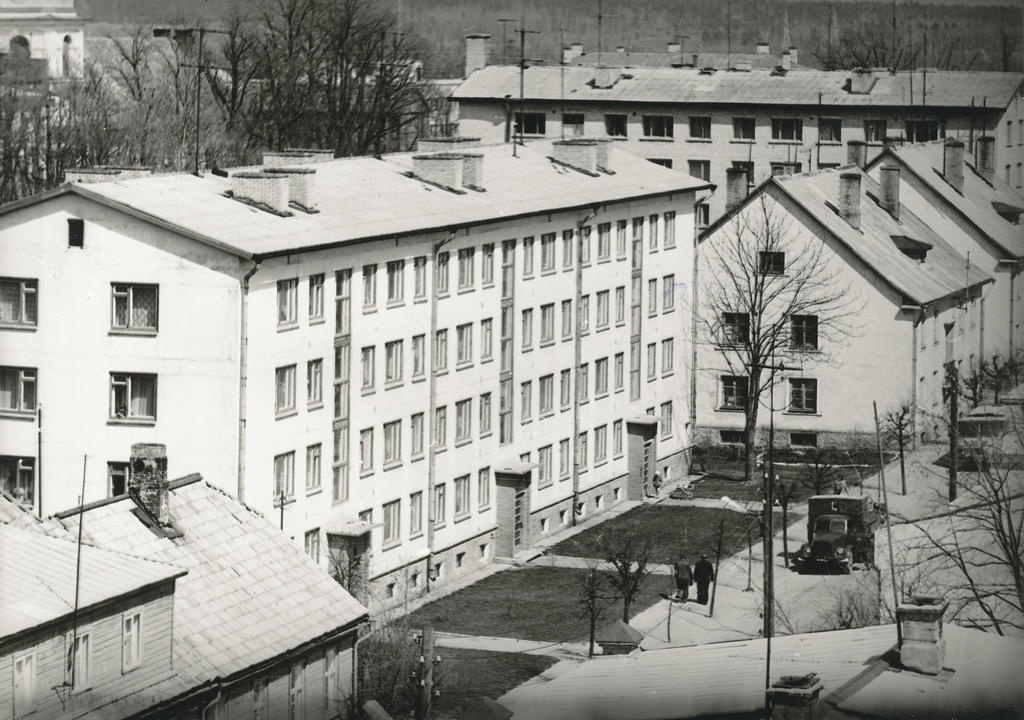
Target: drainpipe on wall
577, 357
918, 327
428, 426
243, 377
694, 319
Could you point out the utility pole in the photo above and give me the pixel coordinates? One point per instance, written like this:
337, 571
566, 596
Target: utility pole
427, 663
522, 83
953, 389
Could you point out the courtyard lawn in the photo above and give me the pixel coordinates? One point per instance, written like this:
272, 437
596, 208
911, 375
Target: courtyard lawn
530, 603
725, 477
673, 529
467, 674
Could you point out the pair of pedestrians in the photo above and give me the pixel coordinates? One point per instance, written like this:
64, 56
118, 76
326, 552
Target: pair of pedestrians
703, 573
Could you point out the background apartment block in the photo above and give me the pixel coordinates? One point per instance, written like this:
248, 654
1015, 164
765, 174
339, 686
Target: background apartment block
430, 357
705, 121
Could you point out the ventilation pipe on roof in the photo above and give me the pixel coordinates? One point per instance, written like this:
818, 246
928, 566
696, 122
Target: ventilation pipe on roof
477, 46
735, 187
953, 163
856, 153
889, 195
922, 647
695, 58
849, 198
985, 158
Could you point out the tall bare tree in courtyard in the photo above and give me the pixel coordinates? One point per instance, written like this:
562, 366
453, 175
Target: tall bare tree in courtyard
628, 553
767, 294
898, 425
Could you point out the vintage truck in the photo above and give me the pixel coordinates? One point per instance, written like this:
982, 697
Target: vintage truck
840, 533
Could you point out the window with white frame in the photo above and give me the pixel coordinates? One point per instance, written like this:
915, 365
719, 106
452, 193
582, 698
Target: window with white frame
547, 252
505, 411
583, 383
314, 468
487, 264
483, 487
439, 431
464, 344
366, 450
467, 274
18, 302
342, 302
788, 129
652, 360
565, 388
771, 262
604, 241
600, 443
440, 496
396, 281
567, 249
131, 640
527, 328
415, 513
419, 277
393, 442
17, 478
527, 257
393, 361
18, 390
584, 320
416, 433
441, 350
24, 684
547, 323
332, 696
485, 414
830, 130
620, 304
584, 252
602, 309
700, 127
526, 400
392, 512
316, 297
530, 123
134, 306
486, 339
803, 334
582, 449
296, 690
564, 458
284, 476
620, 238
667, 356
668, 293
660, 126
734, 392
743, 128
462, 505
418, 364
315, 382
81, 660
615, 125
617, 438
566, 319
368, 363
601, 377
546, 388
133, 396
260, 699
311, 541
369, 286
652, 297
666, 419
287, 302
735, 328
463, 420
620, 367
441, 274
803, 395
544, 465
652, 234
875, 131
670, 229
284, 383
572, 124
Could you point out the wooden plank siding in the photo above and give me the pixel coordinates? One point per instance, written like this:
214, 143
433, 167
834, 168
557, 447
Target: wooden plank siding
107, 680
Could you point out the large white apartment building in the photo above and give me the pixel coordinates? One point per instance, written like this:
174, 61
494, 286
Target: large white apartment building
705, 121
434, 357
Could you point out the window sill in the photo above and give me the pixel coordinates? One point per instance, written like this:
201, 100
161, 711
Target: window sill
528, 277
617, 457
567, 269
729, 409
464, 516
365, 473
546, 273
667, 437
486, 434
487, 284
319, 320
442, 294
18, 327
547, 343
620, 389
668, 309
617, 137
310, 492
600, 396
284, 414
802, 413
367, 391
785, 142
21, 415
369, 310
318, 405
485, 360
742, 141
566, 408
441, 371
463, 365
416, 535
655, 139
667, 374
602, 328
566, 338
484, 508
416, 458
392, 464
584, 401
152, 332
544, 484
526, 349
526, 421
465, 290
281, 327
652, 250
395, 304
438, 449
390, 544
599, 463
620, 323
419, 300
834, 143
392, 384
463, 442
546, 414
698, 140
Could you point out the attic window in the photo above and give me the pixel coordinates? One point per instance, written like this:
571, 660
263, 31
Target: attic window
1009, 213
76, 233
913, 249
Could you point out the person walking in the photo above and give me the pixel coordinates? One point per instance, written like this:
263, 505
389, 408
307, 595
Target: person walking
683, 577
703, 575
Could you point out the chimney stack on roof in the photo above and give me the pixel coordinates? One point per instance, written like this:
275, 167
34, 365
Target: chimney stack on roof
794, 697
735, 187
763, 48
263, 189
922, 647
674, 47
620, 49
985, 157
861, 81
104, 173
953, 163
889, 190
580, 154
147, 480
450, 143
567, 56
849, 198
794, 55
477, 49
787, 61
301, 181
856, 153
450, 170
606, 77
577, 49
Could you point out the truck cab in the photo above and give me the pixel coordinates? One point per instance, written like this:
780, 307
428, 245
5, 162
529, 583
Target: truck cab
840, 532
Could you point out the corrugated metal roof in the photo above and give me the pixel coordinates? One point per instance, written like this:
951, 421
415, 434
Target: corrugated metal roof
975, 201
698, 681
249, 595
758, 87
942, 272
363, 197
39, 577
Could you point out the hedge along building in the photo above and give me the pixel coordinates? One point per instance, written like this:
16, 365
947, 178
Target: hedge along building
705, 121
413, 364
899, 285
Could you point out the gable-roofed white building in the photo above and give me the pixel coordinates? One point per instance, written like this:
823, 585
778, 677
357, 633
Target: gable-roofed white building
407, 351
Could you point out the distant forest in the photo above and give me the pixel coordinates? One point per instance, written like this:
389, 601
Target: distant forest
957, 35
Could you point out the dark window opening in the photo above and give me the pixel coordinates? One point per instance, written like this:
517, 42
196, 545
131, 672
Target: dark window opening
771, 262
76, 233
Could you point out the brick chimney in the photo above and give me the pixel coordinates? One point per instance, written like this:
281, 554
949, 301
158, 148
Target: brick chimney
953, 163
794, 54
849, 198
985, 157
922, 647
269, 190
763, 48
889, 190
674, 47
787, 61
477, 48
147, 479
794, 697
577, 49
735, 187
450, 170
301, 182
861, 81
451, 143
105, 173
580, 154
567, 56
856, 153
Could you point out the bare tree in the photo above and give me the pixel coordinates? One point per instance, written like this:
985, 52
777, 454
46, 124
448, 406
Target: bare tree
592, 598
897, 425
768, 294
1001, 372
628, 553
785, 490
389, 670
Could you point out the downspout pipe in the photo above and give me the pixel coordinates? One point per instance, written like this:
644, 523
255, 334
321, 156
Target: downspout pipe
243, 376
432, 406
577, 359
